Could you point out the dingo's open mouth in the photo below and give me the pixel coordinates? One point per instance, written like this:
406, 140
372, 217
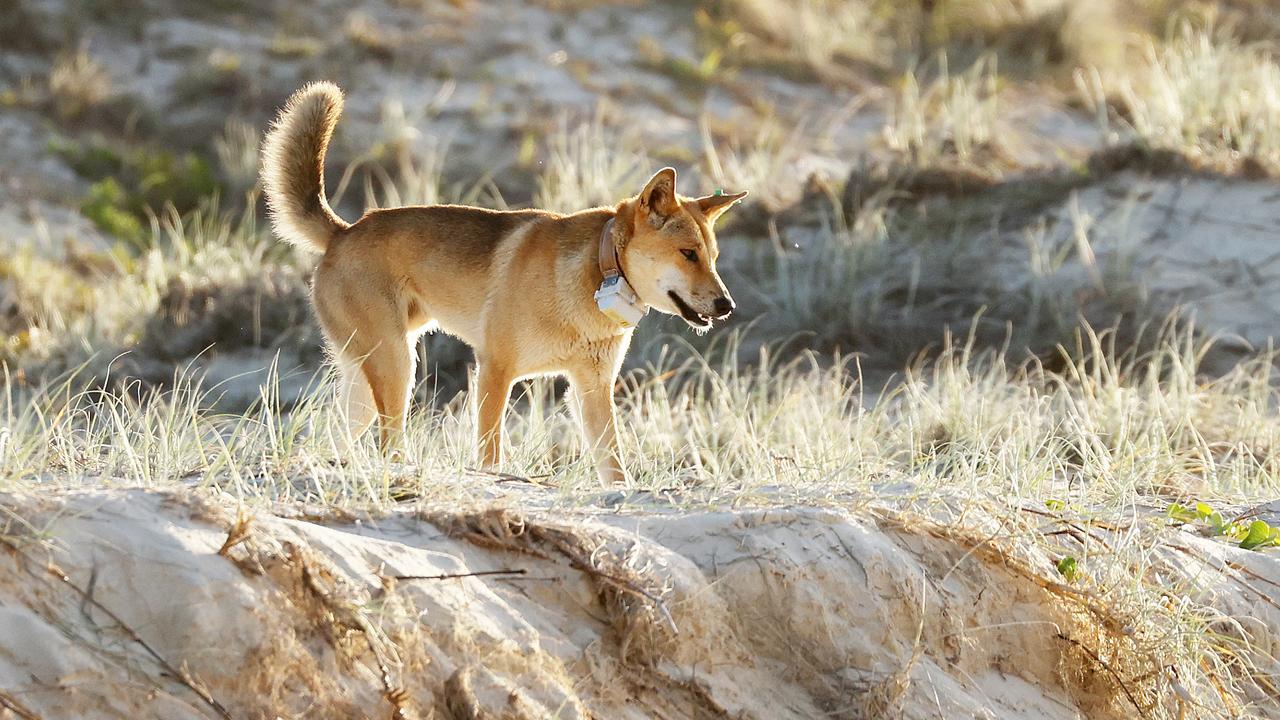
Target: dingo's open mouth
695, 319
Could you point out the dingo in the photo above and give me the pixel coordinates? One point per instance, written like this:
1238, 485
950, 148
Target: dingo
532, 292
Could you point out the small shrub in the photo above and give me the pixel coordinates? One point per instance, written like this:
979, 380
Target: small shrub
130, 182
77, 83
107, 205
1254, 535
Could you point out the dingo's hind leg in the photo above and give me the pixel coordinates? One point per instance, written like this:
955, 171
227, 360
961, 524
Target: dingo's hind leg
377, 363
356, 397
389, 371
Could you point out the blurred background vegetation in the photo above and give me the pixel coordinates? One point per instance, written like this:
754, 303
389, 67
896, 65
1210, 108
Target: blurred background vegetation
1004, 170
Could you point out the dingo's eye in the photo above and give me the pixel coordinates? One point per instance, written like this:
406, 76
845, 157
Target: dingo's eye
689, 255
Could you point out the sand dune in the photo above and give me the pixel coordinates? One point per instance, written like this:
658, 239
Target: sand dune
136, 604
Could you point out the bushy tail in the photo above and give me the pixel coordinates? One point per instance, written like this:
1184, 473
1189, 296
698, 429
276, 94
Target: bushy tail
293, 167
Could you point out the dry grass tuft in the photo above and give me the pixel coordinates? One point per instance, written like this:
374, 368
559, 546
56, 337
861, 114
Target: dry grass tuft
203, 279
967, 450
77, 84
1093, 625
953, 118
840, 43
237, 533
1202, 92
365, 33
588, 165
766, 164
237, 152
814, 33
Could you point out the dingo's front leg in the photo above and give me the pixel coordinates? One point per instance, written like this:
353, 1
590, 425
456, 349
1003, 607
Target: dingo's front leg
493, 385
594, 401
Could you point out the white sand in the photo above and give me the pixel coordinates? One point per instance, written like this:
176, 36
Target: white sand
794, 613
1203, 245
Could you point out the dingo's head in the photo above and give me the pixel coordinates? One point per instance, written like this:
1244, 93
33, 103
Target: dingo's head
668, 250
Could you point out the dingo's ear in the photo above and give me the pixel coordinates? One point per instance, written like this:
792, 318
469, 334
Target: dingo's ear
658, 199
713, 206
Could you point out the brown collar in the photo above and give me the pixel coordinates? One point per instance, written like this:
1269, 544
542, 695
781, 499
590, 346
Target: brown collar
609, 266
615, 297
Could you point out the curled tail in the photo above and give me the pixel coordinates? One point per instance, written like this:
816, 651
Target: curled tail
293, 167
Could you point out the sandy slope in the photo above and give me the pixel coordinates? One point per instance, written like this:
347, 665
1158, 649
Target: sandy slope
796, 613
1206, 244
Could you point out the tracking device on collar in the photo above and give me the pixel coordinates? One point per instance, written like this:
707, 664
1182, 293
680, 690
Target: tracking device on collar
615, 297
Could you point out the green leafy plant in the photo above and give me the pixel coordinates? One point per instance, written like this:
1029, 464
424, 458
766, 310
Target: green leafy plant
1069, 568
127, 182
1256, 535
1260, 535
1201, 513
106, 206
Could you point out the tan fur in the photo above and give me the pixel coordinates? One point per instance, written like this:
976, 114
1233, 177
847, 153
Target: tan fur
293, 167
516, 286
